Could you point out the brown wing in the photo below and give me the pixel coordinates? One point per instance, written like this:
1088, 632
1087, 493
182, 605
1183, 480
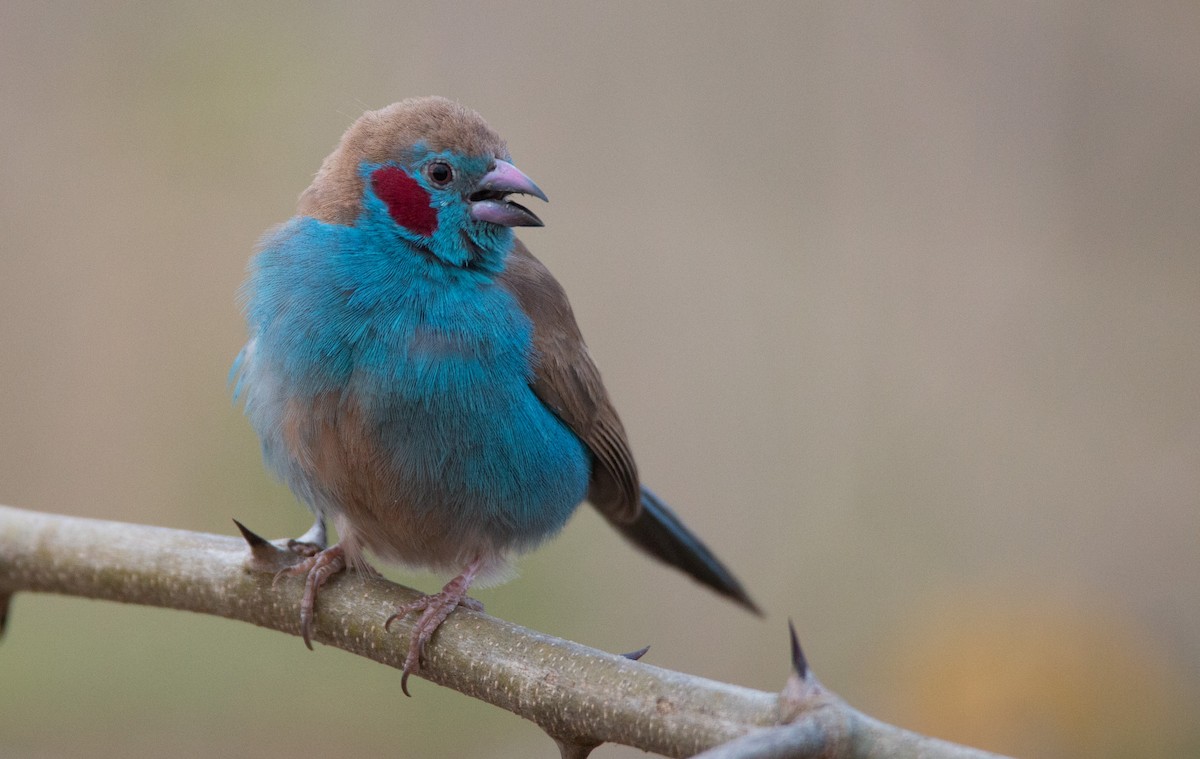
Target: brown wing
569, 383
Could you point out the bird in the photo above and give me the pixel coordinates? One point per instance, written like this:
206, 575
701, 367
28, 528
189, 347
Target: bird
418, 379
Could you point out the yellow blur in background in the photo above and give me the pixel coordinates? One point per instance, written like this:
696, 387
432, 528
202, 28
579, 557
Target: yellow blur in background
900, 305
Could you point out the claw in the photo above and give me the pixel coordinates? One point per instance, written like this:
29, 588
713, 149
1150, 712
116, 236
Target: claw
317, 570
434, 610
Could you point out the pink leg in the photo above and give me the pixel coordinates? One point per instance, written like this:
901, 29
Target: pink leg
434, 610
317, 569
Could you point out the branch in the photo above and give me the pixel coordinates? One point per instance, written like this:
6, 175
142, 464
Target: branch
580, 696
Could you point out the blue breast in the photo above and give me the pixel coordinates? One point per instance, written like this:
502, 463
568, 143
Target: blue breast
437, 361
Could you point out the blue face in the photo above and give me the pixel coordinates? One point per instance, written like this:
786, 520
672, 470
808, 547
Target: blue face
424, 199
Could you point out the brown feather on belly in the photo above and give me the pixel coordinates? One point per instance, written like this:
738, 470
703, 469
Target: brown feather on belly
349, 469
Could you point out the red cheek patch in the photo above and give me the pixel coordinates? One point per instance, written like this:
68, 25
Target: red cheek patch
407, 201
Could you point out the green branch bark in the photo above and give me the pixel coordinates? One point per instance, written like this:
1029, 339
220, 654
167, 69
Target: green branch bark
580, 696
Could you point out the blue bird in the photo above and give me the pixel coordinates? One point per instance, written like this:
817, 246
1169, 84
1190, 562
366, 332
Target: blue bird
417, 377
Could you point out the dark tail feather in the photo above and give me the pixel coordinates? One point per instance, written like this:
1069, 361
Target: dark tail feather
658, 532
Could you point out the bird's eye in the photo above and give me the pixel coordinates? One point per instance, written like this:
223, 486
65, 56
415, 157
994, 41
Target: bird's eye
440, 173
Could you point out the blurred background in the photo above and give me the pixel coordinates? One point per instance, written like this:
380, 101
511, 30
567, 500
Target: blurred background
900, 305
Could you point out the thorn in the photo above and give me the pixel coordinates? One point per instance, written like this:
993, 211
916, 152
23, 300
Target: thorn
802, 691
254, 539
638, 654
5, 599
265, 556
799, 663
570, 749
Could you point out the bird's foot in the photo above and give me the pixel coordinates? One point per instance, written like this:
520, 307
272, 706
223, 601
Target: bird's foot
312, 542
317, 569
434, 609
302, 548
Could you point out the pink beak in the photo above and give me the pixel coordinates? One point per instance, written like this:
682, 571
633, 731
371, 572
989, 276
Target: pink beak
489, 200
